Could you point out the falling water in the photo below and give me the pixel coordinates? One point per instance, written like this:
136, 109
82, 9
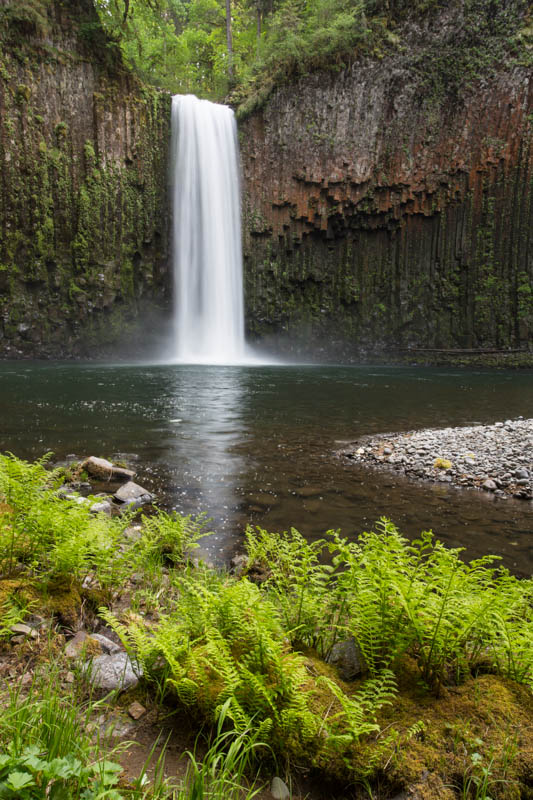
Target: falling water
209, 313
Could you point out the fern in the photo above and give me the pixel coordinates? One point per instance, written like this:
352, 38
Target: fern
359, 713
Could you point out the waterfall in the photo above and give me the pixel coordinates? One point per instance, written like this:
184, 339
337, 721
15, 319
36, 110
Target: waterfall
208, 306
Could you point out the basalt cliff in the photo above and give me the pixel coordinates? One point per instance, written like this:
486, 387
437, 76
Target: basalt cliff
83, 185
388, 205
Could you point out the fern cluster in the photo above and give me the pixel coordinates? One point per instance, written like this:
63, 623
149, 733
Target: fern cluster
226, 642
253, 654
396, 597
166, 539
226, 646
47, 534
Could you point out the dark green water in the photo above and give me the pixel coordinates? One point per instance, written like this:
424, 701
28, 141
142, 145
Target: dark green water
241, 443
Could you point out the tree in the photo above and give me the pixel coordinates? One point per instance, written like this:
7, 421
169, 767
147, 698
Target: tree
228, 39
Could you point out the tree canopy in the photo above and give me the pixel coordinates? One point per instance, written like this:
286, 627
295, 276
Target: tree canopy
241, 48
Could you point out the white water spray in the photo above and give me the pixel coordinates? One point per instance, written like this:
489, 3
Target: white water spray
208, 308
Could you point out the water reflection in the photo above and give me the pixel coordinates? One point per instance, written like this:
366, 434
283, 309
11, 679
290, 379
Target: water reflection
205, 425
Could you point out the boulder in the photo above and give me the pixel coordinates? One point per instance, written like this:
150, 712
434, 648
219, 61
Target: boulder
104, 470
133, 496
348, 659
111, 672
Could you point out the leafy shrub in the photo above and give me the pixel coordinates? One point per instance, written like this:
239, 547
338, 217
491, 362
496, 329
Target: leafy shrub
222, 642
300, 585
421, 598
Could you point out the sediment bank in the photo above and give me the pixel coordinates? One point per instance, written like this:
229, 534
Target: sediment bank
497, 458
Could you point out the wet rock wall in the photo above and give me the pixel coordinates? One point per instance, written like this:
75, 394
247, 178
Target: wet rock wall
387, 212
83, 186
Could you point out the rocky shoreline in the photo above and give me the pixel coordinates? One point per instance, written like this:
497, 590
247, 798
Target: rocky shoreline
496, 458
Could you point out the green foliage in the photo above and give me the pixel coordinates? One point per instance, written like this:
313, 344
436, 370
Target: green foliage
180, 48
167, 538
49, 534
45, 750
13, 610
183, 46
221, 774
225, 649
421, 598
300, 585
26, 16
226, 643
396, 597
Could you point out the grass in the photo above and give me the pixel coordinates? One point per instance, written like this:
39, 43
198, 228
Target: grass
446, 649
46, 750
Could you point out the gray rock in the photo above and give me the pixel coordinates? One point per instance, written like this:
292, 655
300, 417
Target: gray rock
489, 485
104, 470
348, 659
76, 498
107, 645
279, 789
104, 507
115, 671
20, 628
521, 473
132, 492
98, 467
134, 505
75, 645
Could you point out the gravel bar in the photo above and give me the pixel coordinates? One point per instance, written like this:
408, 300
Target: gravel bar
497, 458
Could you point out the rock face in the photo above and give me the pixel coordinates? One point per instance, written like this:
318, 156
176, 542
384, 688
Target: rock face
387, 206
83, 176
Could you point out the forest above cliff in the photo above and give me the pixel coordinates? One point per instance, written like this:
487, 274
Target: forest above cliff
242, 48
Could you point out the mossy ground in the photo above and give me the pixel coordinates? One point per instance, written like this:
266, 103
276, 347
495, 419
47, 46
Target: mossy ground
483, 726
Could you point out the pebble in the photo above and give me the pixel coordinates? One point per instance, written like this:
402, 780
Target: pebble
102, 507
20, 628
279, 789
75, 646
136, 710
497, 458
